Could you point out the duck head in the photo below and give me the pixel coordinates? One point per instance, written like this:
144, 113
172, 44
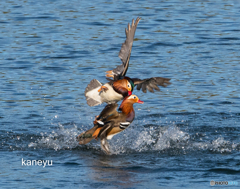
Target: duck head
132, 99
124, 86
127, 103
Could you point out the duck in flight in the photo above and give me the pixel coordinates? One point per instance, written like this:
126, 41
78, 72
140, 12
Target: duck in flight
121, 86
111, 122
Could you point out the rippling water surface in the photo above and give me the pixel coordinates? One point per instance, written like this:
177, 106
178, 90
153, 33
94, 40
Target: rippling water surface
184, 136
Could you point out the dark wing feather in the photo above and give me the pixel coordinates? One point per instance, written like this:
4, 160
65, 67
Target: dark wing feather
103, 132
125, 52
144, 88
151, 83
109, 110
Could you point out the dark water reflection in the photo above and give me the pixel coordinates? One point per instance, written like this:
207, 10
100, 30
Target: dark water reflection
183, 136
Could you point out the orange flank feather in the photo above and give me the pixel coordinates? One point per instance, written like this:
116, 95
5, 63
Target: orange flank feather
114, 131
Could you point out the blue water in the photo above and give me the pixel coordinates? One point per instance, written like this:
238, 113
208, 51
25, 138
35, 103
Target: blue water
182, 137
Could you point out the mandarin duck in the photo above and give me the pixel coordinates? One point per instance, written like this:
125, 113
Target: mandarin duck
121, 86
111, 122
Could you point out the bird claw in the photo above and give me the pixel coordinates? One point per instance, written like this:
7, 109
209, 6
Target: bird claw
110, 74
103, 88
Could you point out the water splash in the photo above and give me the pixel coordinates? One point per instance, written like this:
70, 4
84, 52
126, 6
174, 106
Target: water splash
57, 140
150, 139
219, 145
168, 139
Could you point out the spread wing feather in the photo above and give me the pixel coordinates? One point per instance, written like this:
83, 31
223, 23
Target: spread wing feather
151, 83
125, 51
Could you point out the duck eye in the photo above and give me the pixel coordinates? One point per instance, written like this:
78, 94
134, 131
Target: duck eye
134, 97
128, 85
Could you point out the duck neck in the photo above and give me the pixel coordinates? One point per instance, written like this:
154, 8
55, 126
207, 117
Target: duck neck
127, 109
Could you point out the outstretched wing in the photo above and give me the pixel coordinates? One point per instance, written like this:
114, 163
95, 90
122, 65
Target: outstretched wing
125, 51
151, 83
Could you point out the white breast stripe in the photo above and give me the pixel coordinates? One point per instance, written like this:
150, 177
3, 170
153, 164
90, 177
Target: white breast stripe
124, 125
100, 122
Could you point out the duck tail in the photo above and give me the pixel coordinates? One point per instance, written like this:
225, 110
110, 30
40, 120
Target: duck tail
92, 94
87, 136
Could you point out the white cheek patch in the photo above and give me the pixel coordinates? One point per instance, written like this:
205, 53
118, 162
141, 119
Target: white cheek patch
129, 85
132, 97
